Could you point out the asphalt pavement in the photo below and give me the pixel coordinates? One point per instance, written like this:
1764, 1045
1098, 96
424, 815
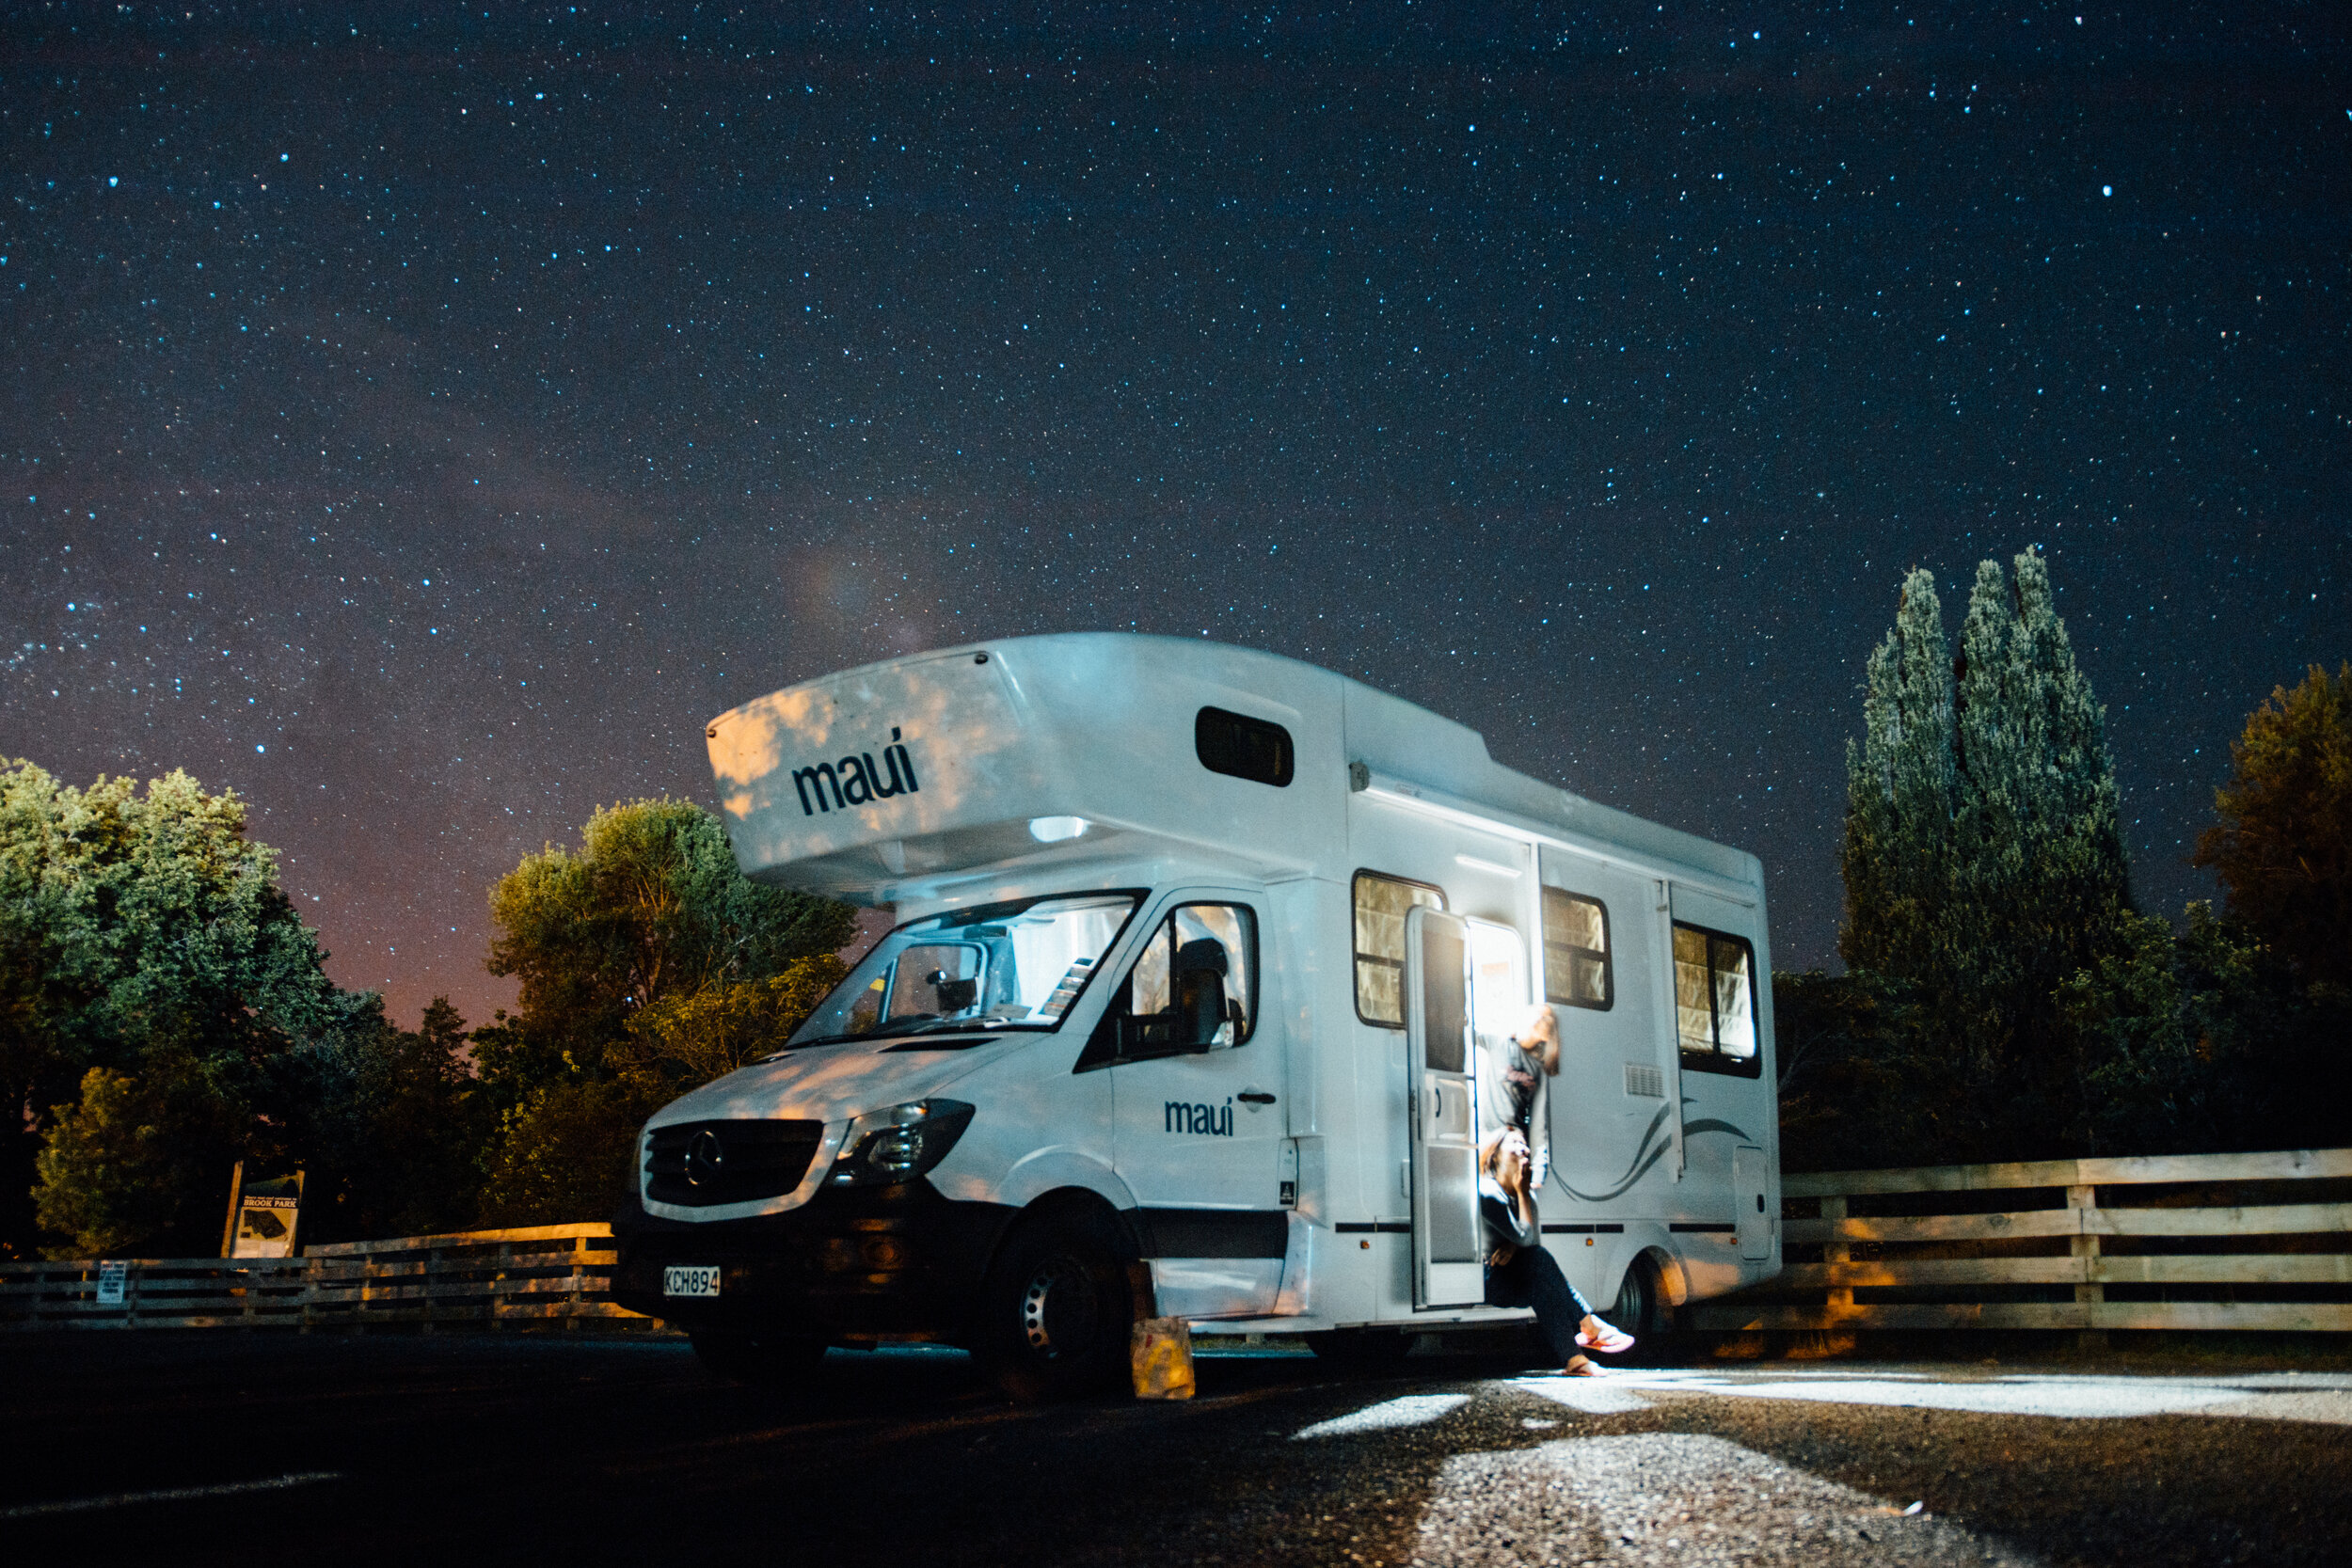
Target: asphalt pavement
261, 1449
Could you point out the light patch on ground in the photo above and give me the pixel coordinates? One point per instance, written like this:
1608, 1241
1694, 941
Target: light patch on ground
1411, 1411
2066, 1398
1592, 1396
1673, 1498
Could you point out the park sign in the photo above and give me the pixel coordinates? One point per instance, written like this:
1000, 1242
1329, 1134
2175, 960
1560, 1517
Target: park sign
262, 1215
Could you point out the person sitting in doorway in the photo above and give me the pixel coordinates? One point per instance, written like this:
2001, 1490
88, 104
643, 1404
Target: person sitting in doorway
1519, 1272
1515, 1084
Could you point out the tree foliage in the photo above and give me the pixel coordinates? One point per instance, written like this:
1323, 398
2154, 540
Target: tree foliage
391, 1123
651, 907
144, 935
649, 964
1983, 855
2284, 845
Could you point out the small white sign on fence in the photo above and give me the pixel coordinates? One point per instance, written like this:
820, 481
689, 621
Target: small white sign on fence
110, 1282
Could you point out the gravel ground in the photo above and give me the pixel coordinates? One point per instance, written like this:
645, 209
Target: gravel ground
1671, 1498
529, 1450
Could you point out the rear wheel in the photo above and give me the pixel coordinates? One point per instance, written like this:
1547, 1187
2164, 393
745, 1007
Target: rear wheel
761, 1359
1642, 1310
1055, 1312
1364, 1348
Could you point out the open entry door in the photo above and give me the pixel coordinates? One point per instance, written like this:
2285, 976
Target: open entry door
1449, 1266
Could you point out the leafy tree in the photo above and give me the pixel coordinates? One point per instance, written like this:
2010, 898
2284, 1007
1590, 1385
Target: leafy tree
1983, 856
143, 934
113, 1170
1858, 1074
2206, 1040
2284, 844
683, 1041
1901, 790
394, 1123
652, 907
649, 964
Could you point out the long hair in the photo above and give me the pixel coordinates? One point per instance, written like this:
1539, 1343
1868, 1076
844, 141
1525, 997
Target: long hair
1539, 1026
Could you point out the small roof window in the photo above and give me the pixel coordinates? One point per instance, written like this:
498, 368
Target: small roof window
1241, 747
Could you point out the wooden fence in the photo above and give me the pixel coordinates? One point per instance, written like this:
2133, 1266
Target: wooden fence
2188, 1242
540, 1275
2183, 1242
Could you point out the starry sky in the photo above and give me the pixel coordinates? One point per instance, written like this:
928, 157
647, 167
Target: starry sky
421, 421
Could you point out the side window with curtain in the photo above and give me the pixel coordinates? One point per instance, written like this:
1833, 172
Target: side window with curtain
1715, 1002
1576, 972
1381, 906
1193, 987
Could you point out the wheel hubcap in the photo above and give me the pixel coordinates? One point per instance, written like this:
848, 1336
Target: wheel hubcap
1055, 1309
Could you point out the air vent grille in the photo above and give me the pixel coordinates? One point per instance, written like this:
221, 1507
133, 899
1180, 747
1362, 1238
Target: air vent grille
1644, 1083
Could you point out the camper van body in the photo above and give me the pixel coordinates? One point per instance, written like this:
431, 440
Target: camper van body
1375, 883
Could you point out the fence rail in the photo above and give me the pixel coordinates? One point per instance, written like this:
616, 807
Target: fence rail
2173, 1242
535, 1275
2190, 1242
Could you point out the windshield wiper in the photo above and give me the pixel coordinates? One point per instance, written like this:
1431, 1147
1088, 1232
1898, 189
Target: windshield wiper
954, 1026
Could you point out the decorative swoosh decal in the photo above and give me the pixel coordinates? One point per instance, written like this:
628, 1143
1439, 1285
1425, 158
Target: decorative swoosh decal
1649, 1155
1644, 1157
1712, 1124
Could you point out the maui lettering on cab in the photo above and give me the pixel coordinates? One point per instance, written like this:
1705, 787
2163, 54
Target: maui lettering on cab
1199, 1121
854, 781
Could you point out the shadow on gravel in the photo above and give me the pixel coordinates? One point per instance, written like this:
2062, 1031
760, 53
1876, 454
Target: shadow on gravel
530, 1448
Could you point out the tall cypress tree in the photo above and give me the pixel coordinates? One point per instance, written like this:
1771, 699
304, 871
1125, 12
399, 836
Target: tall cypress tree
1900, 798
1984, 857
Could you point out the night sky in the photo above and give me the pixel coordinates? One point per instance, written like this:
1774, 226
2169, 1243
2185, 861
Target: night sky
424, 425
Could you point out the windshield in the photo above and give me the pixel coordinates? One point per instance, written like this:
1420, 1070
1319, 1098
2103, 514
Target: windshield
1015, 965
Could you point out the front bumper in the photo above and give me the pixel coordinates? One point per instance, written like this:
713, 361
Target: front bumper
860, 1263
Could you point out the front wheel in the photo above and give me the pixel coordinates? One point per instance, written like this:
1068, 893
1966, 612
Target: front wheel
761, 1360
1055, 1313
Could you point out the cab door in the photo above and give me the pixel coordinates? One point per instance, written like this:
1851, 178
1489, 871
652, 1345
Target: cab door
1195, 1059
1449, 1262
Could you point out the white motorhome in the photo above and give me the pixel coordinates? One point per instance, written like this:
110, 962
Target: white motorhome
1197, 948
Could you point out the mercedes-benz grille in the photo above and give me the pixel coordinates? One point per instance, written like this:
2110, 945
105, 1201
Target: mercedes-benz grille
697, 1165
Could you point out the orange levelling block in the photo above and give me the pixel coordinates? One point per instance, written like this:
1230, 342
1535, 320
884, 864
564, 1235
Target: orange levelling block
1160, 1350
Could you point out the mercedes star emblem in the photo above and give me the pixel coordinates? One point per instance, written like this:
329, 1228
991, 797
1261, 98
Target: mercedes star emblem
705, 1158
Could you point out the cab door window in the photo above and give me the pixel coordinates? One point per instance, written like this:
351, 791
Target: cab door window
1193, 987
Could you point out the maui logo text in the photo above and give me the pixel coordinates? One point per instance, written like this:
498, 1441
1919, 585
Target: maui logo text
854, 781
1199, 1121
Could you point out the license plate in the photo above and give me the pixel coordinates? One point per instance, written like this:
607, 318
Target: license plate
690, 1279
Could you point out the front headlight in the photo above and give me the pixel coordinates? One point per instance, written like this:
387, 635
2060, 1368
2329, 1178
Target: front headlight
899, 1143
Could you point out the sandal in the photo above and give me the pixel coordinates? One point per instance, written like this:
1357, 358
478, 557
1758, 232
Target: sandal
1580, 1367
1610, 1341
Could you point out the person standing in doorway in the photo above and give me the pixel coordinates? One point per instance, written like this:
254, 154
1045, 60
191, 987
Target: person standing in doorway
1514, 1085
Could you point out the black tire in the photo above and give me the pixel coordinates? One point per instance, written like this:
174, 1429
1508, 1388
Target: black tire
1642, 1310
1360, 1349
1055, 1311
760, 1360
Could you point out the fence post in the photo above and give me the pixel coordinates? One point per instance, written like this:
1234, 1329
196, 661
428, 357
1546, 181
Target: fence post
571, 1297
2090, 1295
1836, 1249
